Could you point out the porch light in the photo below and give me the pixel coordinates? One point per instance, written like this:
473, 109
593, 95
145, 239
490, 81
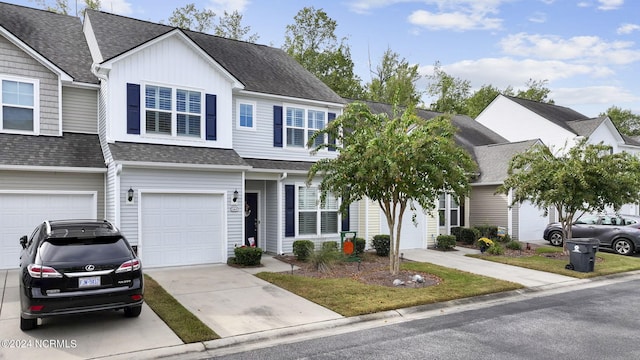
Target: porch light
235, 196
130, 194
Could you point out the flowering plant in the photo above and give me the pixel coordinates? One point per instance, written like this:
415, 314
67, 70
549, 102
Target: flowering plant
485, 242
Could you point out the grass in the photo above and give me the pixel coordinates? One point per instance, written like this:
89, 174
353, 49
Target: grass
186, 325
350, 297
610, 264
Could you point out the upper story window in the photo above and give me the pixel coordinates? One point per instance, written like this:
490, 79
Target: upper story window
174, 112
301, 124
19, 105
246, 115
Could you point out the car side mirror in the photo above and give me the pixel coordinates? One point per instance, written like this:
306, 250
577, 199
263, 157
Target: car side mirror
23, 241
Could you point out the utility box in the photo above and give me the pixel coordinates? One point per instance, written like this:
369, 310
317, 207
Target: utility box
582, 253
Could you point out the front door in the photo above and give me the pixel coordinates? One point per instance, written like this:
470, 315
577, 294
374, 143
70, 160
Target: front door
251, 219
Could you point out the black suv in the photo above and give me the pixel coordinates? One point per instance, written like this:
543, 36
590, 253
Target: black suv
77, 266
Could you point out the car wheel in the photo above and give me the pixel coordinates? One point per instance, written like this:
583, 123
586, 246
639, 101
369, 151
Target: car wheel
133, 311
555, 238
623, 247
28, 324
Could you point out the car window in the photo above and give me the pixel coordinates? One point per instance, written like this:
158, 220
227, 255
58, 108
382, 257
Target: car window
629, 221
589, 220
33, 239
87, 249
612, 220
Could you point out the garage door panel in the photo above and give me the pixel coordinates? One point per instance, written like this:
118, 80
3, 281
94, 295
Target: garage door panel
181, 229
20, 213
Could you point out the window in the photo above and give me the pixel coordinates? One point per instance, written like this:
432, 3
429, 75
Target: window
453, 210
246, 115
301, 125
442, 203
311, 212
161, 112
18, 105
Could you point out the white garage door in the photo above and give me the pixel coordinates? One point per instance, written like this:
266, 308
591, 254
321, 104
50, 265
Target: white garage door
531, 222
181, 229
20, 213
412, 235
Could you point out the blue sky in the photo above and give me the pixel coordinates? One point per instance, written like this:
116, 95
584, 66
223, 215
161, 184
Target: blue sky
587, 50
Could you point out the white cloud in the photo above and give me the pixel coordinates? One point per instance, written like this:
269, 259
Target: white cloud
538, 17
220, 6
627, 28
582, 49
590, 95
610, 4
120, 7
365, 6
453, 21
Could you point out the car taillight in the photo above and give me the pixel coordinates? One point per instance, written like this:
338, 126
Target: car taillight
130, 265
40, 272
136, 297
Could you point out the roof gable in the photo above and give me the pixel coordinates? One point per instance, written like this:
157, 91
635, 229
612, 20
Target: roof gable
260, 68
52, 37
493, 160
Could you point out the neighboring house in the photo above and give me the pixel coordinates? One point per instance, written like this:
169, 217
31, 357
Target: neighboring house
492, 153
51, 165
209, 136
557, 127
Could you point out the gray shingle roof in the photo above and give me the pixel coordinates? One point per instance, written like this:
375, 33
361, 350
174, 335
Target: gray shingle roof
263, 164
260, 68
493, 160
70, 150
586, 127
58, 38
558, 115
158, 153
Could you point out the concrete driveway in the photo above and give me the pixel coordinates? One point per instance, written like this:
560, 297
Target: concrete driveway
79, 336
232, 301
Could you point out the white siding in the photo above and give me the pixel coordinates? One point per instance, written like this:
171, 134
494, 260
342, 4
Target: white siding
18, 63
271, 216
79, 110
172, 180
258, 142
171, 62
487, 208
55, 181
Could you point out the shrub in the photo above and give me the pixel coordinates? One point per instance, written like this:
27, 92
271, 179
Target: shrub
488, 231
382, 244
446, 242
359, 245
248, 256
496, 249
323, 259
455, 231
302, 249
330, 245
514, 245
505, 239
469, 235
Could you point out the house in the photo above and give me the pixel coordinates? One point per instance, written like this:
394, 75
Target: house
558, 127
491, 152
51, 165
190, 143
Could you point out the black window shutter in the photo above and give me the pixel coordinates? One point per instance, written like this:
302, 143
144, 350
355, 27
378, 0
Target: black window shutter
277, 126
133, 108
211, 117
290, 210
345, 221
332, 140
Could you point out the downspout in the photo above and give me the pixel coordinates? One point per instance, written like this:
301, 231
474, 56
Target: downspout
510, 214
280, 219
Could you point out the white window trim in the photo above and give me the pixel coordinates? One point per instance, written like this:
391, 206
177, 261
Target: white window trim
254, 107
174, 113
318, 210
305, 125
36, 105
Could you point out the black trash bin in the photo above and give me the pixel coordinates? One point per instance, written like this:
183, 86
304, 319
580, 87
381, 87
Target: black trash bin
582, 253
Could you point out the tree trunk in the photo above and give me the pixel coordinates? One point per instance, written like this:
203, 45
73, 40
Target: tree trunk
394, 222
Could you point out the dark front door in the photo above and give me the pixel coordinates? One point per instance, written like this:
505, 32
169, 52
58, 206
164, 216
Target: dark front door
251, 219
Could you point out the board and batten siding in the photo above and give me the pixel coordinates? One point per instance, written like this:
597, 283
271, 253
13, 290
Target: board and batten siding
171, 62
55, 181
15, 62
258, 142
79, 110
178, 181
486, 207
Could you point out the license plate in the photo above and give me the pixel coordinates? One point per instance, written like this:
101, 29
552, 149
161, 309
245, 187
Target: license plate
89, 281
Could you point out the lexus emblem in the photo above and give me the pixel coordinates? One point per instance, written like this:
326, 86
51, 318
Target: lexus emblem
90, 267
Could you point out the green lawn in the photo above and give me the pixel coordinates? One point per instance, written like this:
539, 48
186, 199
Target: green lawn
349, 297
607, 263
